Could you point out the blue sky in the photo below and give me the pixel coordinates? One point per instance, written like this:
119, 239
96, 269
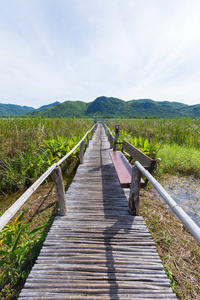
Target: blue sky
58, 50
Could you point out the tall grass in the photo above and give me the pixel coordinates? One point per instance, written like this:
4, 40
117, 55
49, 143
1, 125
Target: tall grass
175, 141
182, 131
29, 145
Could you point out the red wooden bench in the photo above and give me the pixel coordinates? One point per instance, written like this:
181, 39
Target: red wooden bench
123, 167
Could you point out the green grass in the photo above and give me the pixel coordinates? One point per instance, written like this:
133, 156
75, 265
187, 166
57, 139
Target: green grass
179, 159
182, 131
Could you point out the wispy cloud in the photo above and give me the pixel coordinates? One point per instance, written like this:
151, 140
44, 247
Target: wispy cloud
73, 49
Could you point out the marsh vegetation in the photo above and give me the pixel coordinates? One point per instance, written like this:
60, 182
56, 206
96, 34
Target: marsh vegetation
28, 146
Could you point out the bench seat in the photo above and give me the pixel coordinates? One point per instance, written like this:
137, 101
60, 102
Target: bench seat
123, 168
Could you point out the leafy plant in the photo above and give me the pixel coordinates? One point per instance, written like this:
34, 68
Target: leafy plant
168, 269
165, 237
29, 145
16, 240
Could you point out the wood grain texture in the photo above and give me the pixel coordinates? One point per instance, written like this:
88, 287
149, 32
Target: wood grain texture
99, 250
58, 180
122, 167
134, 191
136, 154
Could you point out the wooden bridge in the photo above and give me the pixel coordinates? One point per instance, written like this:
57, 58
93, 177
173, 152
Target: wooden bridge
99, 250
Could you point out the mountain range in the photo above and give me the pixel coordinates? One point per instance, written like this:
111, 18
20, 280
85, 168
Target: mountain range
106, 107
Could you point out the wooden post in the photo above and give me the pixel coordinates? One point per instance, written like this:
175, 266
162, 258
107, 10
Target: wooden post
88, 141
115, 141
81, 153
134, 191
58, 180
110, 141
106, 131
92, 133
116, 137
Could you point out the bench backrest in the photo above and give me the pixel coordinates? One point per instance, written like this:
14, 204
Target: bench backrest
136, 154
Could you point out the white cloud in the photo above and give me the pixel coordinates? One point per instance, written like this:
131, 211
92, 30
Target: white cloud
74, 49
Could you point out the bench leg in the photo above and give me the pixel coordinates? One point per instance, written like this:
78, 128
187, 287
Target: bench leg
134, 191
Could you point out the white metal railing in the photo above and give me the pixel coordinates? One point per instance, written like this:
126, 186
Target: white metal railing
7, 216
180, 213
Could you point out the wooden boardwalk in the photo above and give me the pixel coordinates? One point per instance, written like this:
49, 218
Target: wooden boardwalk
98, 251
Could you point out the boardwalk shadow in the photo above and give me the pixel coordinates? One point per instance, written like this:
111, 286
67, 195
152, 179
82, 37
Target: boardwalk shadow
116, 214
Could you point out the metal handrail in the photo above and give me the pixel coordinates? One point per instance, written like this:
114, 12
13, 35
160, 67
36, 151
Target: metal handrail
180, 213
10, 212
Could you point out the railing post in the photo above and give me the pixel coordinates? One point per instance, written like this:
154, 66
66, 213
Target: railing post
92, 133
58, 180
134, 191
106, 131
116, 137
110, 138
105, 128
88, 141
81, 153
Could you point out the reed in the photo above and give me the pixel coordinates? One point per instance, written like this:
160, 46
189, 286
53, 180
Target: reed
29, 145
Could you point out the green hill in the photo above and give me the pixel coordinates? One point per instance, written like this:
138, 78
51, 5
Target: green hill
107, 107
44, 107
176, 105
192, 111
13, 110
18, 110
66, 109
148, 107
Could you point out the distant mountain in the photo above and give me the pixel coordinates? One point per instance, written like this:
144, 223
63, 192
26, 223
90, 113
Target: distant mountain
44, 107
108, 107
150, 108
13, 110
176, 105
66, 109
18, 110
192, 111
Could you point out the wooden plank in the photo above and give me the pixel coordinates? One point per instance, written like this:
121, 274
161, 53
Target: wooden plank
136, 154
123, 168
